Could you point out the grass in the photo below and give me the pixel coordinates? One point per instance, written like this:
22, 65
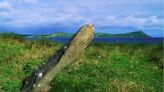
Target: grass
101, 68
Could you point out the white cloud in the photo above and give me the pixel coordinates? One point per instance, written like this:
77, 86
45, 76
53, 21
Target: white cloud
30, 1
4, 5
130, 21
77, 12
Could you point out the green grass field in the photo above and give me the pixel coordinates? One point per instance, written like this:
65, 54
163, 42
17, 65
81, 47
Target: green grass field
101, 68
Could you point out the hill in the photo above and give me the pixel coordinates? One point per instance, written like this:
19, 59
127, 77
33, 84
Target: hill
58, 34
137, 34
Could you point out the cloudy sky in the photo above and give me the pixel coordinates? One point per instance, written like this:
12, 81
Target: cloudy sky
108, 16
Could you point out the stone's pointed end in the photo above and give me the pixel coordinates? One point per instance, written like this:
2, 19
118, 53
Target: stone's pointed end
91, 26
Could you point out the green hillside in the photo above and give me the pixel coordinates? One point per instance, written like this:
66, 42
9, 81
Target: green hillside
58, 34
101, 68
137, 34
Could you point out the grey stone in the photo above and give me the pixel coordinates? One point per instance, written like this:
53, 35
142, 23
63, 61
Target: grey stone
63, 57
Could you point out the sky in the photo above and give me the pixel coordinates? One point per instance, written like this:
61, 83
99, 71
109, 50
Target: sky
108, 16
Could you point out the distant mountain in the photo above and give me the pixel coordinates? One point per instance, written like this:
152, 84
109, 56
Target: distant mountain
58, 34
137, 34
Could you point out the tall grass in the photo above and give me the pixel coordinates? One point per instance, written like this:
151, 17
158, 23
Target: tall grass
101, 68
19, 58
11, 35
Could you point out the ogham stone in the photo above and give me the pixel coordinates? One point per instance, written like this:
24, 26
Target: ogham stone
39, 80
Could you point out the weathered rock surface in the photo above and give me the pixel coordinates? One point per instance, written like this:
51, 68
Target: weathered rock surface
38, 81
